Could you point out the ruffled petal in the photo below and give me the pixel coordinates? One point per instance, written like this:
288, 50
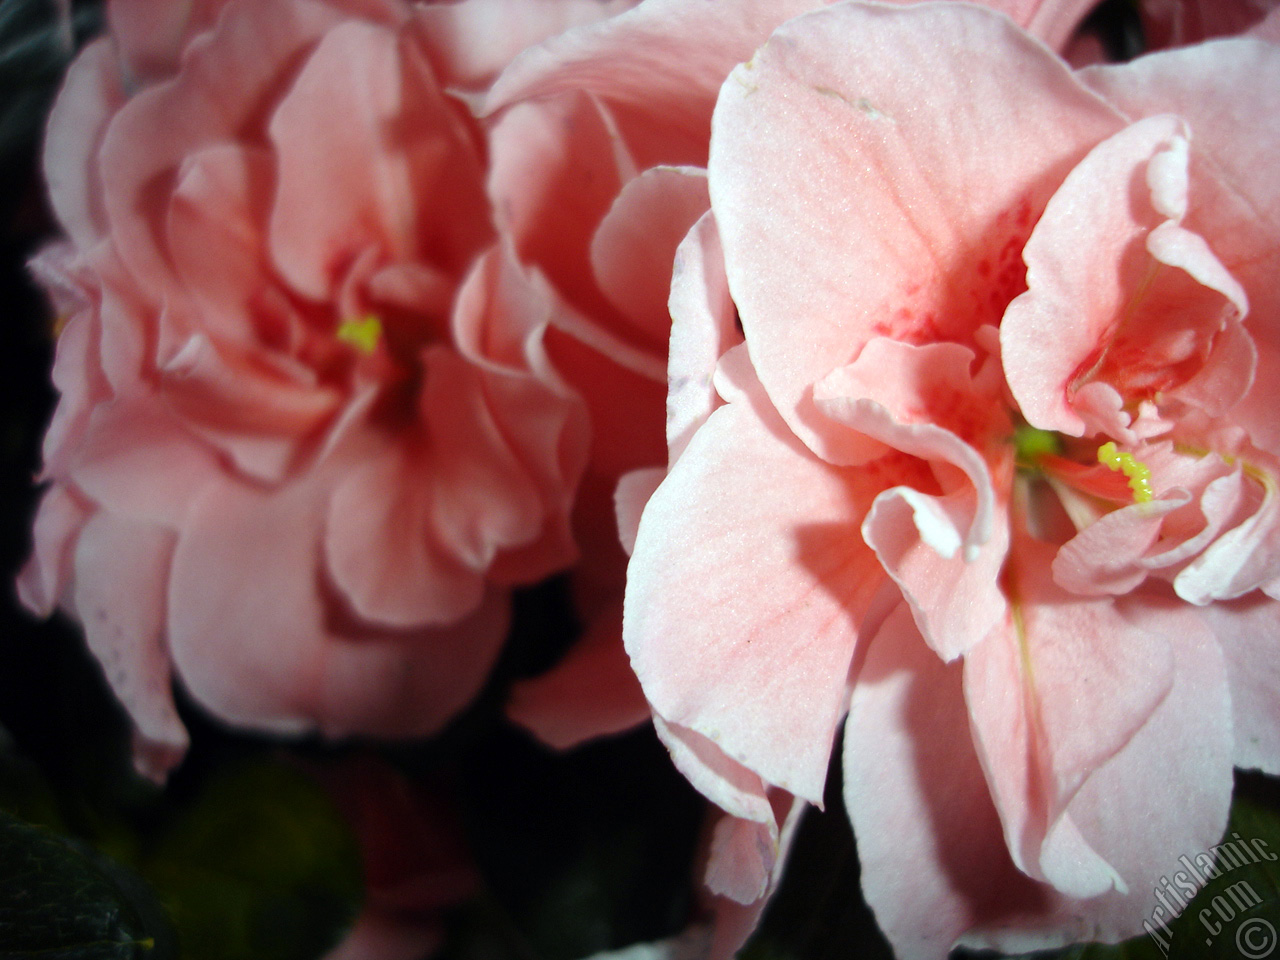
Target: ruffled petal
1120, 293
258, 639
121, 576
591, 693
633, 249
414, 196
215, 98
703, 328
264, 416
667, 56
138, 462
554, 171
763, 679
382, 548
153, 33
44, 578
1222, 88
933, 856
1248, 631
955, 597
1055, 692
472, 40
858, 195
217, 238
92, 92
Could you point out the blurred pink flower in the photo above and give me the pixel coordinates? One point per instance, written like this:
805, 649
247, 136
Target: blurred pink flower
1172, 23
995, 470
308, 437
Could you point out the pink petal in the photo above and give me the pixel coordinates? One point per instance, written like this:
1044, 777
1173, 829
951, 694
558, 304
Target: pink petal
1199, 497
153, 33
215, 98
634, 492
703, 328
743, 855
121, 577
1247, 630
258, 640
956, 599
381, 546
668, 57
763, 679
263, 415
734, 921
1161, 798
45, 576
1052, 21
416, 522
1225, 90
591, 693
1118, 292
486, 499
126, 324
748, 847
912, 225
933, 856
1106, 556
1243, 558
722, 780
553, 176
633, 249
1168, 23
1269, 27
925, 401
1054, 694
1168, 790
138, 462
77, 371
216, 232
626, 408
472, 40
403, 178
92, 92
499, 322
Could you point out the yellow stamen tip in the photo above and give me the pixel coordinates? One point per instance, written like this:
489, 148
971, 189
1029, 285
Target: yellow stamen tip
1139, 473
363, 334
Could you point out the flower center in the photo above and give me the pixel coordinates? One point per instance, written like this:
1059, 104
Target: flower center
1031, 443
363, 333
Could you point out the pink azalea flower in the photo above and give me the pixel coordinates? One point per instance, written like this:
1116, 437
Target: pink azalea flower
598, 172
308, 437
994, 472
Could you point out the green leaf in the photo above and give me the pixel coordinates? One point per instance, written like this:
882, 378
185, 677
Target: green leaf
24, 792
1235, 916
60, 901
261, 865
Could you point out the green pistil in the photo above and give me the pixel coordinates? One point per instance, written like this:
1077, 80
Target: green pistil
363, 334
1032, 443
1139, 473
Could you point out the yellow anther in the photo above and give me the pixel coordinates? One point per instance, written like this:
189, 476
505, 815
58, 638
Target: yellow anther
363, 334
1139, 473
